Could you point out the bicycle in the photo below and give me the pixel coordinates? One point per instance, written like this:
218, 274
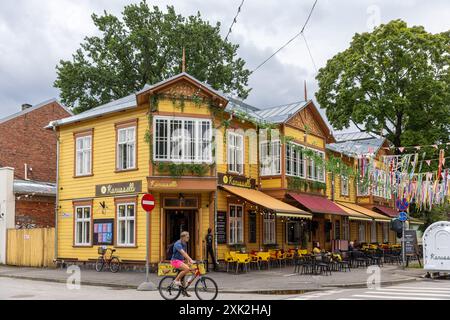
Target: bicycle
112, 262
205, 288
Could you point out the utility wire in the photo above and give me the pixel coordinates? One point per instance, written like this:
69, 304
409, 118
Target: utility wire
292, 39
309, 51
234, 20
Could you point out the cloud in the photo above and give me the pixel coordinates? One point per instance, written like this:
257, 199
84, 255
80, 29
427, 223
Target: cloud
36, 34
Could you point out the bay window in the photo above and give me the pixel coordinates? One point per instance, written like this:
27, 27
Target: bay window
235, 152
295, 161
270, 159
182, 139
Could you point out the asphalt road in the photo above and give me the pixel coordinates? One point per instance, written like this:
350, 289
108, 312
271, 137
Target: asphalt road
419, 290
18, 289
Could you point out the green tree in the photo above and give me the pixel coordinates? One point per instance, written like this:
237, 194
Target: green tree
394, 81
437, 213
145, 47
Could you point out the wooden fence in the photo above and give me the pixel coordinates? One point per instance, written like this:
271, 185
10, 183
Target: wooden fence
31, 247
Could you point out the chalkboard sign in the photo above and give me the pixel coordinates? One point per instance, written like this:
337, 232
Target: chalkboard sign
104, 232
252, 227
221, 227
411, 242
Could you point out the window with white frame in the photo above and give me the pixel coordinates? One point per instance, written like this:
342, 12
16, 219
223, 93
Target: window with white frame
269, 229
236, 224
235, 142
295, 160
126, 148
83, 156
344, 185
346, 228
385, 231
270, 159
362, 188
315, 171
373, 232
182, 139
83, 226
126, 223
362, 232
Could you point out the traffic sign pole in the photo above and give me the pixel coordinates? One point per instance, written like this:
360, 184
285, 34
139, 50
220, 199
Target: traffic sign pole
148, 204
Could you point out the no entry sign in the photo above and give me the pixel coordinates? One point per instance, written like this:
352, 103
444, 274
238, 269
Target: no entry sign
148, 202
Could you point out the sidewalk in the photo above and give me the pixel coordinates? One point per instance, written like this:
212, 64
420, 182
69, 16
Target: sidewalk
274, 281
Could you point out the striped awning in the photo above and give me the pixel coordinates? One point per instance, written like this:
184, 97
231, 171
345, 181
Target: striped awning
374, 215
259, 198
354, 215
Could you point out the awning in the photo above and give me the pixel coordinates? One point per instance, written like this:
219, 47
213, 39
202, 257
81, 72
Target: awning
392, 213
415, 221
317, 204
374, 215
259, 198
354, 215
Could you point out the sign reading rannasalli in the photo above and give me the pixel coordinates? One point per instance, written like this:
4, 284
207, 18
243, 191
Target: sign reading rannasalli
118, 188
237, 181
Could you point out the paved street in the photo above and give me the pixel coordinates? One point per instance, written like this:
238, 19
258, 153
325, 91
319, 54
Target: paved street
420, 290
18, 289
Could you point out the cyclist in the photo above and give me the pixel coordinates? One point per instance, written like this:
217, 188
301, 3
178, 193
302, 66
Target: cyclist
179, 255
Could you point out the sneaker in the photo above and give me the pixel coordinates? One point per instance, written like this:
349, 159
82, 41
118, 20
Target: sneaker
177, 283
185, 293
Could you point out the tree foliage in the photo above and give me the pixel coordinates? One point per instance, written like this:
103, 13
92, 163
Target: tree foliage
394, 81
145, 47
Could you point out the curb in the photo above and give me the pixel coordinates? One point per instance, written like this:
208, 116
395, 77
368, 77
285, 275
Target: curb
256, 291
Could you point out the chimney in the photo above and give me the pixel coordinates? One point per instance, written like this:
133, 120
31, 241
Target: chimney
26, 106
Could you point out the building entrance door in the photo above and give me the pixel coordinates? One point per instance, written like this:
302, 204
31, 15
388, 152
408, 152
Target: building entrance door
178, 221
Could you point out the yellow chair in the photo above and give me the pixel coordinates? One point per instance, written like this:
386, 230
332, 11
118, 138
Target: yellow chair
264, 257
244, 259
230, 257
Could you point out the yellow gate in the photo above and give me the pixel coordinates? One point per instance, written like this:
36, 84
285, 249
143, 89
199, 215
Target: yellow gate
31, 247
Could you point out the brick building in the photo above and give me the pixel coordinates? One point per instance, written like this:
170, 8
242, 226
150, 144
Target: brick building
28, 150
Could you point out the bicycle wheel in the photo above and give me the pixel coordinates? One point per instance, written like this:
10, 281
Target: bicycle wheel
167, 289
114, 265
99, 264
206, 289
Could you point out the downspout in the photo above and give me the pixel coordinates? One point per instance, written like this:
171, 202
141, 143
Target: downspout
215, 229
57, 193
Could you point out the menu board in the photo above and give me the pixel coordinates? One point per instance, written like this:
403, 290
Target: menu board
411, 242
221, 227
104, 232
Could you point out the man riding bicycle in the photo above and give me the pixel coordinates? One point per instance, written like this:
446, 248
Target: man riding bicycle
179, 255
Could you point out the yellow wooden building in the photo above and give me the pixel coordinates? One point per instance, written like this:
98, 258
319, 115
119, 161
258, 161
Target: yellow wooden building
180, 140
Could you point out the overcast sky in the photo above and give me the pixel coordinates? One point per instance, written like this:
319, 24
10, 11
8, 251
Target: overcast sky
36, 34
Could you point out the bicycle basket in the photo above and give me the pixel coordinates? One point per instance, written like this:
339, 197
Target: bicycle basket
101, 251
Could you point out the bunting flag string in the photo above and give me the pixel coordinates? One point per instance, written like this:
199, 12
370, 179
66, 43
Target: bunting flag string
401, 149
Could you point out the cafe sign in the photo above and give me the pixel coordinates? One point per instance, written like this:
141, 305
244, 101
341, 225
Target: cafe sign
114, 189
236, 181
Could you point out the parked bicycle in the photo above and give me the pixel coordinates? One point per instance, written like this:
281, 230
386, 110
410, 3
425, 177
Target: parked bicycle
205, 288
109, 260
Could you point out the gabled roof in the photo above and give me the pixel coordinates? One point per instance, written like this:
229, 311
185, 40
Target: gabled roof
131, 101
121, 104
282, 113
33, 108
356, 144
